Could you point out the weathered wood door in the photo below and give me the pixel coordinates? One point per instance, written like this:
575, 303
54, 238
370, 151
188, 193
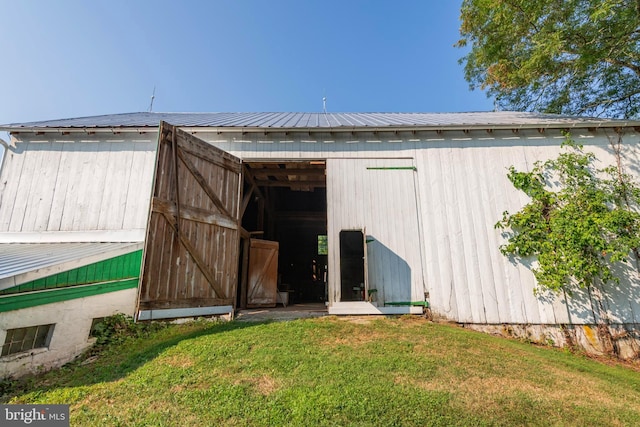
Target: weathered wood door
191, 250
262, 285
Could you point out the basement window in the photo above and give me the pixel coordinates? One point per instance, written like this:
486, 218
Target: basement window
24, 339
97, 326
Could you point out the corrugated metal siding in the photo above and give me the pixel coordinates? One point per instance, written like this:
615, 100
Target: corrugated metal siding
317, 120
76, 185
382, 201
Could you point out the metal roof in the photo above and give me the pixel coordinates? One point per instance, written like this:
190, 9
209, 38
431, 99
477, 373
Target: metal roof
335, 121
20, 258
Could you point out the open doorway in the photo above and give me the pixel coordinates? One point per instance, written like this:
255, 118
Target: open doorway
352, 265
286, 202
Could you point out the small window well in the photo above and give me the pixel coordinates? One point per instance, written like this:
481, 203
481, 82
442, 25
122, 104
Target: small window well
97, 326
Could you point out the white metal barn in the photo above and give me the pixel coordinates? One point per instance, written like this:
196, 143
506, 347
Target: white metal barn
372, 213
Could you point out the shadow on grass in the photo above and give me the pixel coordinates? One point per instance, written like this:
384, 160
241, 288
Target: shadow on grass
113, 362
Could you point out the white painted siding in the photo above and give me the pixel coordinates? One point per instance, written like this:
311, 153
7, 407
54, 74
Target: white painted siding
65, 185
464, 191
460, 190
360, 196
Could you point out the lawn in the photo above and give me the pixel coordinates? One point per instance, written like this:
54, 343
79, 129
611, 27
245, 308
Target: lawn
365, 371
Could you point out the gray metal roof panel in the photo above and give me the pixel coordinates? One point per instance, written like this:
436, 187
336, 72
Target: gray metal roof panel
322, 120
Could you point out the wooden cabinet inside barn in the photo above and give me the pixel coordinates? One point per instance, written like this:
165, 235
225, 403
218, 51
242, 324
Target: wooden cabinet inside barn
232, 209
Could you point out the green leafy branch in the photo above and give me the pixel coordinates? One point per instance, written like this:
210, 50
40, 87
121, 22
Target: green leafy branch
579, 223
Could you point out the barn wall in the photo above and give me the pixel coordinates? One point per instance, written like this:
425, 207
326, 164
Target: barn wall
461, 191
460, 183
68, 184
464, 191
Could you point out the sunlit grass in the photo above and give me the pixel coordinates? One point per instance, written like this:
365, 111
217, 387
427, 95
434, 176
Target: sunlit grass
338, 371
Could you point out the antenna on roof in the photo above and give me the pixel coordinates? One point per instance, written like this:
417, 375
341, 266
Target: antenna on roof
153, 96
324, 102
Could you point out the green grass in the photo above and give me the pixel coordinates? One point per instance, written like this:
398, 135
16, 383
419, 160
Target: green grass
337, 372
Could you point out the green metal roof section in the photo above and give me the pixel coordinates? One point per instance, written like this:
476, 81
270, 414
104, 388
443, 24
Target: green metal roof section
33, 299
25, 262
110, 275
121, 267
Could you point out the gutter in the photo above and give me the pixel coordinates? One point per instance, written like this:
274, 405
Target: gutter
83, 130
343, 129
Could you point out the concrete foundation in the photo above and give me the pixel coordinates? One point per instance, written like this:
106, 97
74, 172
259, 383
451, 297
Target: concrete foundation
70, 337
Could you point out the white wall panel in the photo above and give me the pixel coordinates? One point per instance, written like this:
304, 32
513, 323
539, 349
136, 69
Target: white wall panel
12, 167
438, 260
383, 202
41, 190
464, 267
77, 185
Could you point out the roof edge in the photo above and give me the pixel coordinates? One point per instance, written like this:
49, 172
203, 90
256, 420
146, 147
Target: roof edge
605, 124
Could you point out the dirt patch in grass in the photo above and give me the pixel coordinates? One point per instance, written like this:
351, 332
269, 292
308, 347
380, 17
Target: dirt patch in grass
358, 320
264, 385
356, 336
411, 320
484, 392
610, 361
178, 361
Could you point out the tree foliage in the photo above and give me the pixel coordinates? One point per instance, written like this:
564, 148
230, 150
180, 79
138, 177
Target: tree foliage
556, 56
579, 223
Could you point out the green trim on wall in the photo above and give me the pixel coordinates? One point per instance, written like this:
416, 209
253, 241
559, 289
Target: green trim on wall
48, 296
121, 267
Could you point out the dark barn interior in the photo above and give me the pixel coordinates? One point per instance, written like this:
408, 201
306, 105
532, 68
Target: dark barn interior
286, 202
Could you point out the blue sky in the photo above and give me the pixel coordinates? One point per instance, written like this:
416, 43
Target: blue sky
79, 58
